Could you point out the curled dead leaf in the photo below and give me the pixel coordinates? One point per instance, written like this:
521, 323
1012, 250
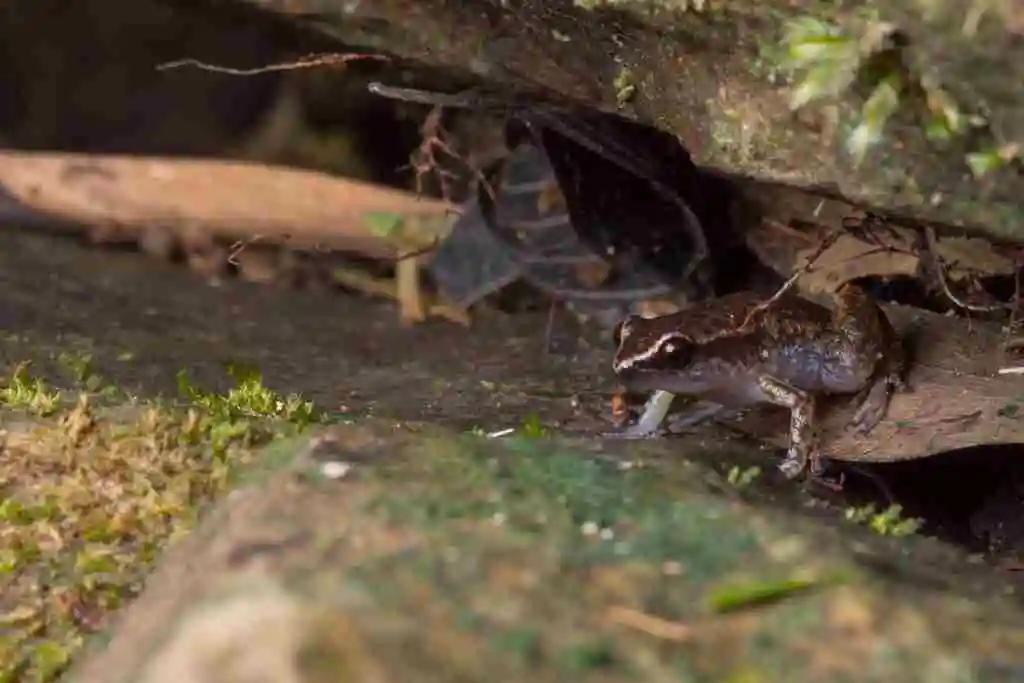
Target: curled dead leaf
851, 257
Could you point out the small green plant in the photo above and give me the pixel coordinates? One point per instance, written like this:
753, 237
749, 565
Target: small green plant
384, 224
992, 159
249, 398
1009, 410
532, 427
824, 57
82, 369
743, 478
24, 392
248, 412
889, 522
625, 87
733, 597
826, 61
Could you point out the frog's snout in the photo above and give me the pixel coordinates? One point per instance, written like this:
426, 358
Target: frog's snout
617, 332
623, 326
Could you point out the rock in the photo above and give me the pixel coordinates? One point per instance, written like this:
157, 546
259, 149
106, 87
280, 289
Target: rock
724, 77
370, 553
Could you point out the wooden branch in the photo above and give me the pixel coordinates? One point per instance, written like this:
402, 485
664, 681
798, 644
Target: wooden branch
118, 197
163, 202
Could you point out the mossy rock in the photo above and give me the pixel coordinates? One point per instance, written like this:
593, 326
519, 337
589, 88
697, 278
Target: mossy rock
371, 552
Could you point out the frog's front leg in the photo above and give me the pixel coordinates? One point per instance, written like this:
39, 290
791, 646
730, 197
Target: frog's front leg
873, 401
802, 453
656, 409
654, 412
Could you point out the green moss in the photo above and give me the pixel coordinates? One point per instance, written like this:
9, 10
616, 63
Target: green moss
598, 512
93, 493
24, 392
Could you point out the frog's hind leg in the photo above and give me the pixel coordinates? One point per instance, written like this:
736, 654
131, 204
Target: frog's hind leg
802, 453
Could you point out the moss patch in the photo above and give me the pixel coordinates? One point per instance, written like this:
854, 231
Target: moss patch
93, 489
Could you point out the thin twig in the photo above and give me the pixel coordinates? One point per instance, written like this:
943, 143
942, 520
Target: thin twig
650, 624
825, 243
469, 99
940, 274
609, 295
1012, 342
328, 59
239, 246
875, 479
420, 251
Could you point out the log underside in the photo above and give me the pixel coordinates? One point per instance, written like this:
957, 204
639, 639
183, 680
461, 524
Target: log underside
706, 76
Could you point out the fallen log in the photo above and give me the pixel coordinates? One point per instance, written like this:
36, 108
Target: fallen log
163, 202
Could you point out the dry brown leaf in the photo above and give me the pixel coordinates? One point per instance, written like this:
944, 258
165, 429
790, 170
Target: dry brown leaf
971, 257
850, 258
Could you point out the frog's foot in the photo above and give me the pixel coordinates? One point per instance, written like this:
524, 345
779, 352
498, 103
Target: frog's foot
816, 475
873, 402
794, 464
634, 432
700, 412
802, 454
810, 466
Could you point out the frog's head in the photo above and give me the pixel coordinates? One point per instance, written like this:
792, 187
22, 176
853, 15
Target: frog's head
651, 345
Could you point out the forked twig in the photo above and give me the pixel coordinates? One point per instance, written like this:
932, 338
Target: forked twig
239, 246
328, 59
940, 274
424, 159
825, 243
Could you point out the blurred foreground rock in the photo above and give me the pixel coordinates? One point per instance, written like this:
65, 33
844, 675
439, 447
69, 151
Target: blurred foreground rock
376, 553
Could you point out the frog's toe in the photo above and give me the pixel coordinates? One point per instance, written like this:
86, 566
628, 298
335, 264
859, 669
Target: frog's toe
872, 408
792, 468
796, 462
636, 431
834, 484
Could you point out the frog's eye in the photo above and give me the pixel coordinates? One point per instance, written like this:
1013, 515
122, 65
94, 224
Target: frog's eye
671, 353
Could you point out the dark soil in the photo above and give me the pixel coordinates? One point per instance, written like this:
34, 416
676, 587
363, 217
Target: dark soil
347, 353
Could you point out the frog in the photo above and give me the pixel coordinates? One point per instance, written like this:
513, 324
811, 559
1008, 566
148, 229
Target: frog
745, 349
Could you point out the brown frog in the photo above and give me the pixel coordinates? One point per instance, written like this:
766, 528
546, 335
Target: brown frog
744, 349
